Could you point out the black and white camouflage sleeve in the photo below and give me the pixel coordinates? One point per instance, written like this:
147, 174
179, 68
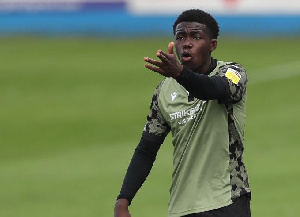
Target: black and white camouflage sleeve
156, 127
235, 78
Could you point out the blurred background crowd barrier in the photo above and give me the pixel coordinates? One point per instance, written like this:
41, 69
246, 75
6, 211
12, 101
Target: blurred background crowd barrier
145, 18
74, 104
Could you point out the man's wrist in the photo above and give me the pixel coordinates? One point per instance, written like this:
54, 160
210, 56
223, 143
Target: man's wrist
185, 72
121, 196
178, 74
122, 203
121, 208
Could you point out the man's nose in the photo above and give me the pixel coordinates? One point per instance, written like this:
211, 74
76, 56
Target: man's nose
187, 43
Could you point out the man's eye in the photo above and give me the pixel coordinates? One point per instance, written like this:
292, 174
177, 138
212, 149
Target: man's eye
197, 37
179, 37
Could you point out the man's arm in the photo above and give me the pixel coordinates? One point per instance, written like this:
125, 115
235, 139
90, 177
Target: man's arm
155, 131
137, 172
228, 86
202, 86
139, 168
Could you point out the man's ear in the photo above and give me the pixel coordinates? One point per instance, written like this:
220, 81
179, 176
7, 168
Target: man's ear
213, 45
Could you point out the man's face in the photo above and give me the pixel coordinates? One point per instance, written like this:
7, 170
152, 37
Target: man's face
194, 45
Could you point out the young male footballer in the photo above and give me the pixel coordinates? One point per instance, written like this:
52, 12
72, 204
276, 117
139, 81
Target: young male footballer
202, 102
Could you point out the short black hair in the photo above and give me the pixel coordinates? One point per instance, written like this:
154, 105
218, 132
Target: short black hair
199, 16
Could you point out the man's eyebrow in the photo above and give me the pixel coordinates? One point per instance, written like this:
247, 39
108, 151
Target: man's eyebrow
180, 32
195, 30
180, 29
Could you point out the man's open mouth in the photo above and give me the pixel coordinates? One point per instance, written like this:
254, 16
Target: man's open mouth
186, 56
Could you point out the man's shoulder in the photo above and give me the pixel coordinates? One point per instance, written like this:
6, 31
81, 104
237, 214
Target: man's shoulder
166, 84
158, 87
232, 70
161, 88
223, 66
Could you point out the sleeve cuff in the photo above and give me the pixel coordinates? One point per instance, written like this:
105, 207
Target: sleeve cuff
185, 73
125, 197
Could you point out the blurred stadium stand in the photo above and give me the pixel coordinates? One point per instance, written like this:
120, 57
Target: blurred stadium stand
145, 18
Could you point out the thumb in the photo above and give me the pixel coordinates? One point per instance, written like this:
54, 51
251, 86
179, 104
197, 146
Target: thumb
170, 48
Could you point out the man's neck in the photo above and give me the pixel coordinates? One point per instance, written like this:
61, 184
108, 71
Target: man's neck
208, 68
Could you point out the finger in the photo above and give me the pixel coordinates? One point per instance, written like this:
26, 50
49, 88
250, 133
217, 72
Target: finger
163, 56
170, 48
160, 52
154, 68
152, 61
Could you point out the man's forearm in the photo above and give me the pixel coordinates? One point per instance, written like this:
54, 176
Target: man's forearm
203, 86
139, 168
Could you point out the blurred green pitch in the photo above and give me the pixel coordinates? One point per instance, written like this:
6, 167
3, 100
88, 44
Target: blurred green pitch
72, 112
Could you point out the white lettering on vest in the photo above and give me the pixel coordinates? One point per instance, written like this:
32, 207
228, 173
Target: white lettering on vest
188, 114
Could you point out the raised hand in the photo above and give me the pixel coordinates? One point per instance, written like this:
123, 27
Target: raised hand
168, 65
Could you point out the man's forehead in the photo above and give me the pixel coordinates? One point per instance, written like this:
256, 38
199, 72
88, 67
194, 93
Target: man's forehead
190, 25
